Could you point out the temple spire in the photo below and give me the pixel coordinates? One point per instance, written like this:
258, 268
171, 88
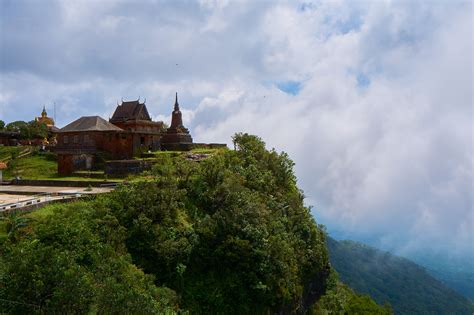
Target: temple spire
176, 105
176, 135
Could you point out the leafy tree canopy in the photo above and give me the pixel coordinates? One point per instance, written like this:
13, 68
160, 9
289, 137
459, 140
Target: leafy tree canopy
28, 130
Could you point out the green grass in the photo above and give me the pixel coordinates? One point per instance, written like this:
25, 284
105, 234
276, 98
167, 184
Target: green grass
44, 166
169, 153
206, 151
33, 167
7, 151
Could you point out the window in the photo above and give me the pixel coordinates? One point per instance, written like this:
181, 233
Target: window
65, 139
86, 138
76, 139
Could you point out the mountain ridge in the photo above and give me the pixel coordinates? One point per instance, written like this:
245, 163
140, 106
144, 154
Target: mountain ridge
387, 278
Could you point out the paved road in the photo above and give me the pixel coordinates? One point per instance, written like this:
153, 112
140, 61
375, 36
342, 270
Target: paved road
18, 189
4, 198
19, 197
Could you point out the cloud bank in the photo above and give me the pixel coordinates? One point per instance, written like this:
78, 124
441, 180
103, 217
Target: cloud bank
372, 100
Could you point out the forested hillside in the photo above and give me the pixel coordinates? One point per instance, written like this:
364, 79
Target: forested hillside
388, 278
460, 279
227, 235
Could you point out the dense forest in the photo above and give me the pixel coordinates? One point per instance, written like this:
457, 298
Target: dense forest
390, 279
456, 276
229, 234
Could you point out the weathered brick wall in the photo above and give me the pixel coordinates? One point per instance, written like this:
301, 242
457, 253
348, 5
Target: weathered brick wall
117, 144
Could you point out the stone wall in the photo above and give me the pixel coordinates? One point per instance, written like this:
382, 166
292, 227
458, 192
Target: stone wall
126, 167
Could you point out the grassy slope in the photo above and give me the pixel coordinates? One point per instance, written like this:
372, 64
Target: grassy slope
6, 152
37, 166
33, 167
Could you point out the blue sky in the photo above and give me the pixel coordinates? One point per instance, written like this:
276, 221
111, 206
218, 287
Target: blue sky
372, 99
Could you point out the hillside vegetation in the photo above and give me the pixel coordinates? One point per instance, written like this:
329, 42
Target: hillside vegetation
391, 279
28, 162
227, 235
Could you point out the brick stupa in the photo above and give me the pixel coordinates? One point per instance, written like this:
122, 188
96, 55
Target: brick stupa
176, 135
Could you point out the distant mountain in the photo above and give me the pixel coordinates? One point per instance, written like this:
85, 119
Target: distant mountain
461, 281
388, 278
455, 272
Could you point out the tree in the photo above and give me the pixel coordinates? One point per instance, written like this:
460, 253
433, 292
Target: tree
230, 234
13, 224
37, 130
28, 130
2, 124
69, 263
16, 125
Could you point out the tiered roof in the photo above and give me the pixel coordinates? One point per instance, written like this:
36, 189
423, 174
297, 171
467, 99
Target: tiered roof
132, 110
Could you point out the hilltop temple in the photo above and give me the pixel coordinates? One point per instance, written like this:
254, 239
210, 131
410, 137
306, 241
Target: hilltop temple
129, 133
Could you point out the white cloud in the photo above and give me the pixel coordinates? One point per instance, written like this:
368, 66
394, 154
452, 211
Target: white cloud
388, 157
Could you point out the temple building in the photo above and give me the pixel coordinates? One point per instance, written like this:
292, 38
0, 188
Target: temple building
133, 117
177, 136
90, 140
44, 119
86, 140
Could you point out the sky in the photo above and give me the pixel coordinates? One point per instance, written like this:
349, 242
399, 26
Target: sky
371, 99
